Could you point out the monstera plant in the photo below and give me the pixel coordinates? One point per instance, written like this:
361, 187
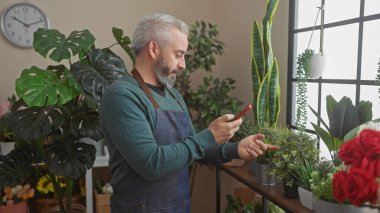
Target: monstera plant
58, 106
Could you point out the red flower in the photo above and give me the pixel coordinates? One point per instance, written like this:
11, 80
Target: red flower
359, 182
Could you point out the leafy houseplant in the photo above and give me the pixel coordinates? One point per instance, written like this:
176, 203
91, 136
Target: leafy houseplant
272, 136
58, 106
343, 117
265, 74
302, 75
378, 77
288, 159
6, 134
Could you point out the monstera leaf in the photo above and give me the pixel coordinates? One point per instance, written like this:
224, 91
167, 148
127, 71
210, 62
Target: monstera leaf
123, 41
51, 40
38, 87
16, 166
70, 158
104, 68
86, 124
36, 122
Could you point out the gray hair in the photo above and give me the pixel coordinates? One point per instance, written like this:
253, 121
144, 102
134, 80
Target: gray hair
155, 27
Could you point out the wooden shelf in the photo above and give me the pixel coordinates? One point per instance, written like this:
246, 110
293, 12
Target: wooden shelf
274, 193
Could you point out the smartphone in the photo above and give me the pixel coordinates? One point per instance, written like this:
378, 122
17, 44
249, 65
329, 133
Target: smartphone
242, 112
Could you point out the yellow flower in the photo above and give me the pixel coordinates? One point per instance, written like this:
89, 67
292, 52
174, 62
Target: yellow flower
45, 185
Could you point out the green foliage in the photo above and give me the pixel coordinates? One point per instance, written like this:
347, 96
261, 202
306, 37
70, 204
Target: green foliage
302, 75
265, 73
343, 117
234, 205
321, 181
303, 175
204, 45
59, 105
245, 129
213, 96
272, 136
295, 148
258, 207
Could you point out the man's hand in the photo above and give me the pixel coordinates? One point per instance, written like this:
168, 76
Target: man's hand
252, 147
222, 129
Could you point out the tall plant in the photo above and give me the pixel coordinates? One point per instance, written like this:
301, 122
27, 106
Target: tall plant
265, 74
302, 75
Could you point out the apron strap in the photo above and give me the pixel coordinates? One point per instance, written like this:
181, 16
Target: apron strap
144, 87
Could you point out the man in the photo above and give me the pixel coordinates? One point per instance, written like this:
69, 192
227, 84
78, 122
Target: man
150, 137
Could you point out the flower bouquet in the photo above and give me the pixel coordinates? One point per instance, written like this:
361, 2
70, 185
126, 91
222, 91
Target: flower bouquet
13, 199
358, 182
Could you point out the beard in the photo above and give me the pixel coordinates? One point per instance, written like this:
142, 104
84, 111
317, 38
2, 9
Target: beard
163, 73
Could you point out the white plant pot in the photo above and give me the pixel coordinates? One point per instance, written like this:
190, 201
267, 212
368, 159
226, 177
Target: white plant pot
317, 65
306, 198
321, 206
6, 147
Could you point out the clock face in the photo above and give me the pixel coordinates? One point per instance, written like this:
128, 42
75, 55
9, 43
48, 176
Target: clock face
20, 21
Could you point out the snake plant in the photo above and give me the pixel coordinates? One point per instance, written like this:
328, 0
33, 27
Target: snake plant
265, 73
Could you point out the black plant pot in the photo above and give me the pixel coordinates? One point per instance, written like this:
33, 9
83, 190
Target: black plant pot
291, 191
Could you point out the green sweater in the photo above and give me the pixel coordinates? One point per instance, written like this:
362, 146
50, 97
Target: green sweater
128, 121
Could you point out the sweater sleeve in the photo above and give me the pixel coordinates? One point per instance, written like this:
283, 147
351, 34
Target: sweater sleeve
127, 123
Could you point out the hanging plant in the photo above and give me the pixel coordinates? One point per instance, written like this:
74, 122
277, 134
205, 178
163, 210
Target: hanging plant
302, 75
378, 77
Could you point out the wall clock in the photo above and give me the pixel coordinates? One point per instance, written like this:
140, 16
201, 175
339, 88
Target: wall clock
20, 21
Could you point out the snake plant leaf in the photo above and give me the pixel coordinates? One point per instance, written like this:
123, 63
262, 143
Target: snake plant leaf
34, 123
70, 158
273, 94
364, 110
262, 102
38, 87
124, 42
344, 118
257, 52
267, 31
53, 43
268, 53
86, 124
16, 166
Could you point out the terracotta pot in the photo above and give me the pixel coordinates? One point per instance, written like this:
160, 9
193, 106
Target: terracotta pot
44, 205
21, 207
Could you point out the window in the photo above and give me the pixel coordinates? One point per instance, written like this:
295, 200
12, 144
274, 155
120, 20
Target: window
352, 48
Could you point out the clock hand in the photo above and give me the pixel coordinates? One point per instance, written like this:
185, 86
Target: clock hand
36, 22
23, 23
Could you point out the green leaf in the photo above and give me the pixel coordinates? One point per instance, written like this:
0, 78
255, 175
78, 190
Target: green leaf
70, 159
262, 102
330, 105
365, 111
343, 118
38, 87
124, 42
325, 136
86, 124
273, 94
34, 123
51, 40
319, 118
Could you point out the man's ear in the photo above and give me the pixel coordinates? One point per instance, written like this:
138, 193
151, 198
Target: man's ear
154, 50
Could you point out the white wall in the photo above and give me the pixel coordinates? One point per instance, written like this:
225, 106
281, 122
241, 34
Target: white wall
234, 20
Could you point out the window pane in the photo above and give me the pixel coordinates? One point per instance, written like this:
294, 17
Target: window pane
312, 100
337, 91
306, 13
371, 52
339, 10
371, 7
341, 47
371, 93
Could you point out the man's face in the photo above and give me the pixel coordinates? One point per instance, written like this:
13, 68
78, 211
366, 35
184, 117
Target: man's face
171, 59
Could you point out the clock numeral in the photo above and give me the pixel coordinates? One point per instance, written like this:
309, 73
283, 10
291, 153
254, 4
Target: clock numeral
25, 9
9, 25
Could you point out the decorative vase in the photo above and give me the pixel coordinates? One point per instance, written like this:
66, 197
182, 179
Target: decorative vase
317, 65
291, 191
321, 206
262, 176
306, 198
21, 207
6, 147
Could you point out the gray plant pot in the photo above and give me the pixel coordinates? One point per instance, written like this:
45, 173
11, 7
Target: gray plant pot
306, 198
321, 206
262, 177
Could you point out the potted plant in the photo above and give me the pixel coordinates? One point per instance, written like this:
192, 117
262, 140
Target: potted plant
58, 106
303, 177
272, 136
296, 147
265, 73
343, 117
